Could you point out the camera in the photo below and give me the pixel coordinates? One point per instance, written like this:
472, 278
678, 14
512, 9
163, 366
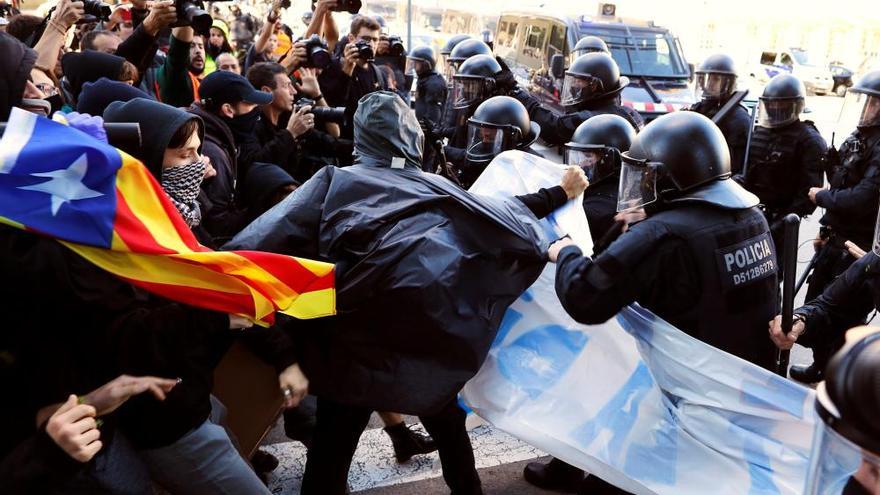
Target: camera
5, 10
350, 6
317, 52
365, 50
97, 9
395, 46
193, 13
323, 114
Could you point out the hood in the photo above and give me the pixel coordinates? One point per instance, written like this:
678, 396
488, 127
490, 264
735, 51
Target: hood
16, 62
215, 128
385, 128
262, 180
158, 123
96, 96
88, 66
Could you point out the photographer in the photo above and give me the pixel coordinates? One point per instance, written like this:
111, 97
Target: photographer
391, 53
354, 75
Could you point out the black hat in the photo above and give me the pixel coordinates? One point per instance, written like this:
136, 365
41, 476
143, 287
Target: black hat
221, 87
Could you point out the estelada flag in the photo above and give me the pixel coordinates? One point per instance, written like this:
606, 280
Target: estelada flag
107, 207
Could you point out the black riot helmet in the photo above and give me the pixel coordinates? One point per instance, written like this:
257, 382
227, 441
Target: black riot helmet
861, 106
467, 49
421, 60
589, 44
499, 124
474, 81
593, 76
716, 78
782, 101
455, 40
597, 143
847, 438
680, 157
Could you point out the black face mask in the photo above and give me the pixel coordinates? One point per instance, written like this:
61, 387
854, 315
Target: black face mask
242, 126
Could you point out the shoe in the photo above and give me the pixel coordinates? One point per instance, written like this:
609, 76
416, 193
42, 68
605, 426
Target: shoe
807, 374
408, 443
264, 462
555, 475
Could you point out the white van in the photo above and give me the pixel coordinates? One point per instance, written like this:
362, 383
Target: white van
816, 77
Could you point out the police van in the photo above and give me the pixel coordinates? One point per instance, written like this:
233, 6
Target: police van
817, 78
537, 47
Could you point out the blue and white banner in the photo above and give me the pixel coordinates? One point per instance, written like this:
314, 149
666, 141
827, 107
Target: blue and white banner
634, 400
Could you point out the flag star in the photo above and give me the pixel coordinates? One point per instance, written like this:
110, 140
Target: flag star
66, 184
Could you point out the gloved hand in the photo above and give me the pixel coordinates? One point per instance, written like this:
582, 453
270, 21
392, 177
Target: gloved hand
428, 130
92, 125
504, 80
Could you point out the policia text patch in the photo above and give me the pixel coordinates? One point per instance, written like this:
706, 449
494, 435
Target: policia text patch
746, 262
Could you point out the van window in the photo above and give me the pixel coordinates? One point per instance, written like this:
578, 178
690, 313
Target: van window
505, 39
557, 42
532, 53
768, 58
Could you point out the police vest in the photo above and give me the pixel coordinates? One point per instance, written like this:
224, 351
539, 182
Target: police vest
773, 163
735, 259
859, 159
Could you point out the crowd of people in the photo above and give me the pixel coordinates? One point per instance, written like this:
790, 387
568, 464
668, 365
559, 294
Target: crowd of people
111, 390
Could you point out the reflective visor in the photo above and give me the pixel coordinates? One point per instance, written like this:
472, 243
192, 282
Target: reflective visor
587, 159
449, 71
580, 87
839, 466
713, 86
859, 110
467, 91
777, 112
638, 185
485, 142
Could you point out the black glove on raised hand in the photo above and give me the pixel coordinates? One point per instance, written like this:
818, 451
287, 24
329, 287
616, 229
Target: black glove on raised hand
504, 80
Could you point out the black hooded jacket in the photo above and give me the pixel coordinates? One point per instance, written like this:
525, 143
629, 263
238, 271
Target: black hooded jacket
88, 66
16, 62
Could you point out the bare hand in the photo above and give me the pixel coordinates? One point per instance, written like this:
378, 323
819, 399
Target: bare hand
630, 217
818, 242
813, 192
785, 342
162, 14
383, 47
553, 252
239, 322
309, 85
323, 6
301, 122
574, 182
210, 171
854, 250
350, 58
67, 13
114, 393
74, 429
294, 385
295, 57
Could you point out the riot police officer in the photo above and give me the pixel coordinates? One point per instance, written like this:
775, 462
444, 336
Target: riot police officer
703, 259
850, 204
595, 147
715, 85
465, 50
499, 124
589, 44
787, 155
592, 86
431, 94
448, 71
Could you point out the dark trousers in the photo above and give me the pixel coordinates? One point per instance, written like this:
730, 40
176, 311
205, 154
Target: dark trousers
339, 429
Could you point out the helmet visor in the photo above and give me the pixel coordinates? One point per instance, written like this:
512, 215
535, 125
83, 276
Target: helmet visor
839, 466
713, 86
859, 110
467, 91
577, 88
449, 71
587, 159
485, 142
638, 184
583, 51
416, 65
778, 112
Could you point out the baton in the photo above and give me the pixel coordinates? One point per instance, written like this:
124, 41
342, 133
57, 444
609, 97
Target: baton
791, 224
801, 281
119, 134
610, 236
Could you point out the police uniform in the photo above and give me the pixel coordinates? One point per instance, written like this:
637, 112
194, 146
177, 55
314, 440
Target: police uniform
430, 97
784, 163
735, 127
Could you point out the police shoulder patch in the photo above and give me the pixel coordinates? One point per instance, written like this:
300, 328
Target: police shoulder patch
746, 262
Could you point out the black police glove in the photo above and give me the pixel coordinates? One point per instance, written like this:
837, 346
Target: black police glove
428, 130
504, 80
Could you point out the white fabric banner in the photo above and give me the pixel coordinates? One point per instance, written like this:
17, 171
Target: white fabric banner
634, 400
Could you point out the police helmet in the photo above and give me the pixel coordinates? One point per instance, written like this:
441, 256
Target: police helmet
474, 81
499, 124
680, 157
455, 40
467, 49
862, 101
592, 76
590, 44
597, 143
423, 54
716, 77
782, 101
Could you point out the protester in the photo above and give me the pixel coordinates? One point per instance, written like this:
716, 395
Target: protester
218, 44
228, 62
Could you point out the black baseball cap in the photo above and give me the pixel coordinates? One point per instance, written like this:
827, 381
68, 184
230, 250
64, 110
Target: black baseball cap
221, 87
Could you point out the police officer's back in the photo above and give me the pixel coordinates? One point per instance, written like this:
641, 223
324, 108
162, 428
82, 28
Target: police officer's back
715, 85
786, 157
592, 86
430, 88
703, 259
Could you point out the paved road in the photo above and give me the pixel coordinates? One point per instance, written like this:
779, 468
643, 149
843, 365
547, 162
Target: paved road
500, 458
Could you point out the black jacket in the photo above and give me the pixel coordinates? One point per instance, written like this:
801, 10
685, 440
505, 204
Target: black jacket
430, 98
16, 62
